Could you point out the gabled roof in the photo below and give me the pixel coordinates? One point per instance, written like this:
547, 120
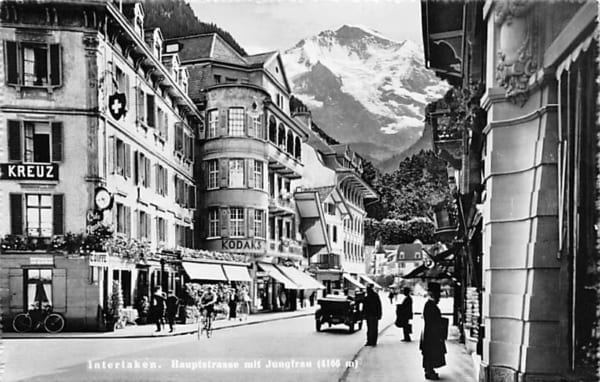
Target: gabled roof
261, 58
207, 46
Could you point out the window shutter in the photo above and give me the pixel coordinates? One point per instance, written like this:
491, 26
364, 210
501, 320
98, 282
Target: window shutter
57, 141
192, 144
224, 222
55, 65
204, 175
14, 140
176, 185
59, 289
148, 173
250, 221
16, 214
136, 167
250, 125
139, 98
148, 229
165, 181
192, 197
127, 221
250, 172
58, 213
150, 111
224, 172
127, 92
262, 128
12, 68
127, 171
223, 122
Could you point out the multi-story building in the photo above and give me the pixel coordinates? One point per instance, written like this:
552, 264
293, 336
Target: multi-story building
98, 140
331, 200
520, 127
251, 152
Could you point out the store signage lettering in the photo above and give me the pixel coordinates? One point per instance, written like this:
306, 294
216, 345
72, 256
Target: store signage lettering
29, 171
242, 245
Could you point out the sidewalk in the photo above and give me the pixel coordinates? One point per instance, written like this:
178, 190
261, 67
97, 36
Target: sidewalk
394, 360
141, 331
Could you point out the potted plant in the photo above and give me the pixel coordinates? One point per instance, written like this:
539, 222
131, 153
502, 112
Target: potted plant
115, 315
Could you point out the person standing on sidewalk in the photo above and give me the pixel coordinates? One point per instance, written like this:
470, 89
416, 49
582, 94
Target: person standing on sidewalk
404, 314
372, 310
157, 307
434, 334
172, 306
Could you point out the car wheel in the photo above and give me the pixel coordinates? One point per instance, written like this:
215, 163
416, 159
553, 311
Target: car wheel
351, 327
318, 325
360, 325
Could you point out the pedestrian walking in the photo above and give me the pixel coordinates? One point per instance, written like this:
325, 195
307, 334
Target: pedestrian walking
312, 298
404, 314
157, 307
233, 303
172, 307
434, 334
372, 311
244, 303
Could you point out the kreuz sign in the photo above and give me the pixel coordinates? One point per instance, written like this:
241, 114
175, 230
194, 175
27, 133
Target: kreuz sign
29, 171
117, 104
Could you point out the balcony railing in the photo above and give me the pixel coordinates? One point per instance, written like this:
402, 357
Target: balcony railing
328, 261
284, 204
286, 246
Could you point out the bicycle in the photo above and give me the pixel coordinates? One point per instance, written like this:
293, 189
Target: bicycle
38, 318
205, 324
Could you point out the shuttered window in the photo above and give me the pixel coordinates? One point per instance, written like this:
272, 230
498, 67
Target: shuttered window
237, 222
258, 175
259, 223
16, 214
213, 174
31, 64
213, 222
39, 214
213, 123
35, 142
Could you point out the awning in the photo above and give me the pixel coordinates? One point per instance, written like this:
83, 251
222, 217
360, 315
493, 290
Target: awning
441, 266
204, 271
273, 272
370, 281
237, 273
302, 279
353, 281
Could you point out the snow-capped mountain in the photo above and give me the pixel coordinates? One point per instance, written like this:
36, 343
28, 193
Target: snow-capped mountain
364, 89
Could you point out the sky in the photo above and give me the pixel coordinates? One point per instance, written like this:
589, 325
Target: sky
265, 25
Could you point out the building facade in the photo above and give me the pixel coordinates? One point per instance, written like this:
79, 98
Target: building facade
98, 136
525, 148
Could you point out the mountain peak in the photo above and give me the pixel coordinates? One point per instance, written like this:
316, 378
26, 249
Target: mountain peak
359, 31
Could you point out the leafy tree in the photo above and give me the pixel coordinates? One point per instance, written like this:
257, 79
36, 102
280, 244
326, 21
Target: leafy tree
176, 18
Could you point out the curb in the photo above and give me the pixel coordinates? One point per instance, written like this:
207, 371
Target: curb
137, 336
346, 372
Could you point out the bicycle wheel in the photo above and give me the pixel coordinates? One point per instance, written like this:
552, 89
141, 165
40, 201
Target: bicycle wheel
22, 323
54, 323
209, 329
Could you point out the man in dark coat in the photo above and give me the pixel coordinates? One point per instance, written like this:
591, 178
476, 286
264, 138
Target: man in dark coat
372, 310
157, 307
434, 333
404, 314
172, 306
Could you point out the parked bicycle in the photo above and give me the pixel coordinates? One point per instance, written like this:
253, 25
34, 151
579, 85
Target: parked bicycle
39, 318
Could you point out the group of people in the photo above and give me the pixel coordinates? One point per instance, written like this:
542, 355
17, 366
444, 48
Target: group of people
435, 330
163, 306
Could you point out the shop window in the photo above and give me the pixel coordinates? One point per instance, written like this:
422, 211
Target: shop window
33, 64
213, 123
235, 121
259, 223
236, 222
38, 214
213, 222
258, 175
39, 288
272, 130
236, 173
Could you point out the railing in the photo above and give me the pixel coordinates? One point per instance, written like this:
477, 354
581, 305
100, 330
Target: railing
286, 246
328, 261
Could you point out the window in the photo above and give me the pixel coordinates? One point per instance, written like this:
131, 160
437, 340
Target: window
39, 288
163, 123
33, 64
213, 222
298, 149
123, 219
257, 125
272, 228
162, 179
258, 223
290, 142
235, 120
335, 234
121, 80
236, 173
272, 130
143, 225
150, 110
213, 174
179, 137
288, 230
281, 136
122, 152
39, 215
161, 229
142, 170
417, 255
188, 147
217, 78
401, 256
236, 222
213, 123
258, 175
39, 142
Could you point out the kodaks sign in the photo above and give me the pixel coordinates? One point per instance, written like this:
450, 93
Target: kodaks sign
28, 171
242, 245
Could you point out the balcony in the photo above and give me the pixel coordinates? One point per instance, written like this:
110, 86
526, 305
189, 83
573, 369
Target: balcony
327, 261
285, 247
282, 205
282, 162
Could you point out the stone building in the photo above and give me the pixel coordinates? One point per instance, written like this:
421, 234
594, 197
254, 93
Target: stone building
520, 129
97, 137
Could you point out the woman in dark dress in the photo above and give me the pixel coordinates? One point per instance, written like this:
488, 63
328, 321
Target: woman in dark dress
232, 303
433, 336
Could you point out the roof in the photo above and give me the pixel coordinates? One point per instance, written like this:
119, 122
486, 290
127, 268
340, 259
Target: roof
261, 58
193, 47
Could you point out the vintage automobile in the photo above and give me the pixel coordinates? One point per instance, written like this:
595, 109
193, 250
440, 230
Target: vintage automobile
339, 310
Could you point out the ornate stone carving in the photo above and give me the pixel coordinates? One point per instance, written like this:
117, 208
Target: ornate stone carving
516, 53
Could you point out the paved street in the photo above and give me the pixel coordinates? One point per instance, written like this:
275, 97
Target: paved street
284, 350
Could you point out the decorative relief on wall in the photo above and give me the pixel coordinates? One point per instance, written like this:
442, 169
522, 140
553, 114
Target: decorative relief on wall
516, 50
